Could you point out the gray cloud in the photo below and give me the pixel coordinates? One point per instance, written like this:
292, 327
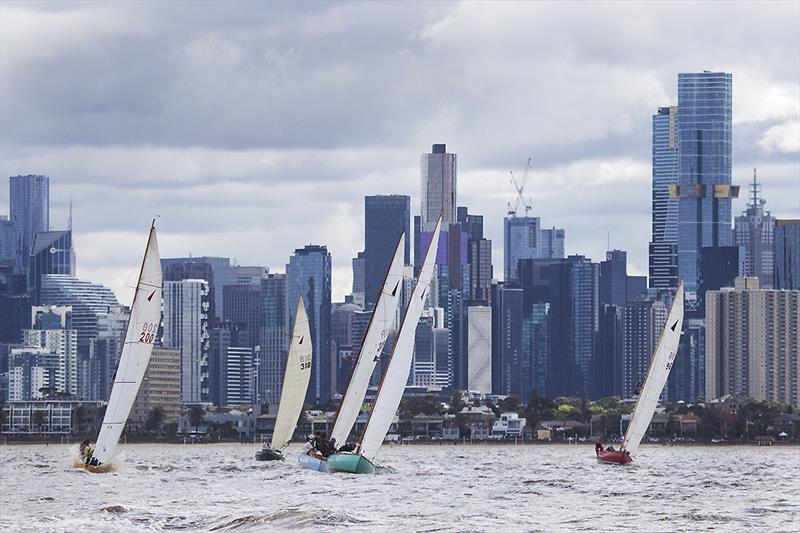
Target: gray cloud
256, 127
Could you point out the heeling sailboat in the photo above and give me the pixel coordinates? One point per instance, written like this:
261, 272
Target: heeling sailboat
378, 329
657, 374
390, 391
295, 386
136, 350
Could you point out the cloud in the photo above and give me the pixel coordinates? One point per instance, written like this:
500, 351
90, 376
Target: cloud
256, 128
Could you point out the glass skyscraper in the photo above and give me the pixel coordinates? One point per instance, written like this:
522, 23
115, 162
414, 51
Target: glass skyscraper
704, 191
663, 260
30, 211
438, 186
51, 253
385, 218
787, 254
524, 238
309, 274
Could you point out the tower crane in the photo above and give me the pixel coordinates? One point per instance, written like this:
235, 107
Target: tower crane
519, 187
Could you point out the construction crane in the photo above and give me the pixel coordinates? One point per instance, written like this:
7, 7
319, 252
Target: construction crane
519, 187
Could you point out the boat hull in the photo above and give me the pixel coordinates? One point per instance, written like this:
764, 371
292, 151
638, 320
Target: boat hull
99, 469
269, 455
352, 463
310, 462
618, 457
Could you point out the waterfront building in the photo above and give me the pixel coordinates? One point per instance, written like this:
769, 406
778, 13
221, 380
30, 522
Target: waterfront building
185, 328
787, 254
438, 186
160, 389
50, 253
52, 417
663, 247
63, 343
309, 274
385, 219
29, 197
752, 343
32, 372
753, 233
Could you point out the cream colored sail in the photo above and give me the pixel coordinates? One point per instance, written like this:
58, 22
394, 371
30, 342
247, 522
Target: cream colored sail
371, 348
295, 380
137, 348
395, 377
657, 375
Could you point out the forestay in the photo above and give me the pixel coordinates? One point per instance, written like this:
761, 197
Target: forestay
295, 379
395, 377
381, 321
657, 374
136, 350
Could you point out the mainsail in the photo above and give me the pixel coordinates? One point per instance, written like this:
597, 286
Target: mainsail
395, 377
371, 348
660, 366
139, 337
295, 380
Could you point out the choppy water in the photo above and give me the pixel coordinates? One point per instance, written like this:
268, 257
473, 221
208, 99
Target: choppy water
419, 488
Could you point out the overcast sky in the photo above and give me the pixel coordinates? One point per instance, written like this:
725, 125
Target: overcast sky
254, 128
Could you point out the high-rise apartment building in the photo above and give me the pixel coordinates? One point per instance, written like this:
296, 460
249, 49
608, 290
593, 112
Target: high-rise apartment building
8, 242
30, 211
308, 274
438, 186
787, 254
479, 349
185, 328
753, 233
507, 306
270, 355
160, 389
217, 271
385, 219
704, 190
753, 343
51, 253
642, 325
524, 238
239, 375
663, 248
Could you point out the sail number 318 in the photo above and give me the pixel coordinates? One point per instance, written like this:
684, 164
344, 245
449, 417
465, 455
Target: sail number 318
148, 334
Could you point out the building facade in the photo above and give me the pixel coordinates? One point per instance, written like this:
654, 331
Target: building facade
160, 389
787, 255
663, 248
438, 186
385, 219
479, 349
753, 233
30, 211
51, 252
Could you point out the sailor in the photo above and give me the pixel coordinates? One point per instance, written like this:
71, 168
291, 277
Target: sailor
86, 452
610, 449
598, 447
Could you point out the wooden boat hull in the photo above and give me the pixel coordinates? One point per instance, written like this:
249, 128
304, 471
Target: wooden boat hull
312, 462
614, 457
269, 455
352, 463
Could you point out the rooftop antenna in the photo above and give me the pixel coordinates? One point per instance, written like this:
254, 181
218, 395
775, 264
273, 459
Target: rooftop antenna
69, 222
519, 187
608, 240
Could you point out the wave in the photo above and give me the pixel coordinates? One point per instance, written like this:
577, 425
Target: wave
290, 519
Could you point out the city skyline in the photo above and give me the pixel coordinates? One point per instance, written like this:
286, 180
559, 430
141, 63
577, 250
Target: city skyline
591, 149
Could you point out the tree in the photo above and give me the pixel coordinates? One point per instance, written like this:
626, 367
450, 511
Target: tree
155, 419
509, 404
457, 402
539, 408
196, 416
426, 405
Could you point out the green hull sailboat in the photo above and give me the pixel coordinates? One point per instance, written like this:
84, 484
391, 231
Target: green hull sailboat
353, 463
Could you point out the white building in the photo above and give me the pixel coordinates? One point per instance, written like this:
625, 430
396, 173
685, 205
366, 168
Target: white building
509, 425
479, 349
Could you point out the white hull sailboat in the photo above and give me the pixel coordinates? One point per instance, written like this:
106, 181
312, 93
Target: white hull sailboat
657, 374
380, 323
393, 384
136, 350
295, 386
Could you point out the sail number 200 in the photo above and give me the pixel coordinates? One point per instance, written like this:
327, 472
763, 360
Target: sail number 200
148, 334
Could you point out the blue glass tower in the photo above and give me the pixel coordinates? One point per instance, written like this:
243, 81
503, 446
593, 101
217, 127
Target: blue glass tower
385, 218
309, 274
30, 211
704, 191
663, 267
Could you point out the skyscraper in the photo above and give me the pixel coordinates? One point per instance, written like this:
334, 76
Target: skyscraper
185, 328
359, 279
704, 191
479, 349
271, 354
8, 242
438, 186
753, 233
30, 211
787, 254
217, 271
51, 253
642, 324
524, 238
385, 219
507, 340
663, 246
309, 274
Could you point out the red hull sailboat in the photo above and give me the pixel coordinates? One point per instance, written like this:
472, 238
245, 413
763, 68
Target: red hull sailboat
620, 457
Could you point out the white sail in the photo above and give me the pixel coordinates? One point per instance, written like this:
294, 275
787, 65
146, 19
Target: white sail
295, 379
657, 374
372, 346
395, 377
139, 337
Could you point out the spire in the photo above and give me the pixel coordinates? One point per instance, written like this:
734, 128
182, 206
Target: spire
69, 222
755, 189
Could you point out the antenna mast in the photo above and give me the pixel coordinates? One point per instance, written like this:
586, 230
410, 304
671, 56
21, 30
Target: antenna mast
519, 187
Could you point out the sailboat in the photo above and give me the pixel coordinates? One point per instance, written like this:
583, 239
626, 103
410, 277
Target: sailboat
136, 350
377, 331
390, 391
657, 374
295, 385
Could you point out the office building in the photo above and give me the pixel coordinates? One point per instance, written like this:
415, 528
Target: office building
239, 375
663, 247
8, 242
753, 233
217, 271
308, 274
15, 306
524, 238
507, 305
359, 280
479, 349
642, 325
30, 212
753, 343
385, 219
160, 389
51, 253
535, 349
438, 186
704, 190
243, 305
272, 351
97, 371
224, 337
787, 255
608, 368
185, 328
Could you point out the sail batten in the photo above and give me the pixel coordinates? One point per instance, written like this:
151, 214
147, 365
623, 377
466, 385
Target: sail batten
395, 377
382, 318
657, 374
295, 380
137, 347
